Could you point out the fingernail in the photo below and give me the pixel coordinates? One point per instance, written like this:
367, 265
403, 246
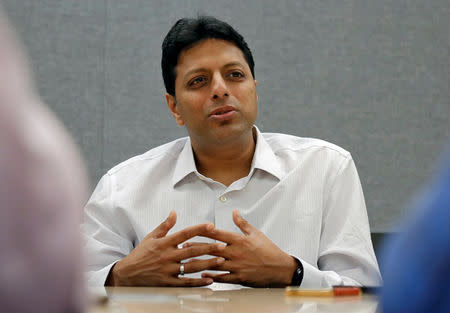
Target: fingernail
210, 227
220, 260
209, 281
220, 246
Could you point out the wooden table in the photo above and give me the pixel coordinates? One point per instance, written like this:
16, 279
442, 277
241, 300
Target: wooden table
203, 300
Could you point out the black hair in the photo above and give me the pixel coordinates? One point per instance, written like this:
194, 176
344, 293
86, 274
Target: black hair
187, 32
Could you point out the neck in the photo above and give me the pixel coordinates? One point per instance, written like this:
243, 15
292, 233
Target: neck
226, 162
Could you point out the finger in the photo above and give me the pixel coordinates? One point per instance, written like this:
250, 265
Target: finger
227, 266
192, 244
189, 244
188, 233
187, 282
164, 227
193, 282
224, 236
243, 225
223, 278
197, 265
198, 250
222, 250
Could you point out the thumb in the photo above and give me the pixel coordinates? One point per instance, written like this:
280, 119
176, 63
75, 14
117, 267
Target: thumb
164, 227
243, 225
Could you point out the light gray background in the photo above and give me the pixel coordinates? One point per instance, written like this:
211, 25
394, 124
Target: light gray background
370, 76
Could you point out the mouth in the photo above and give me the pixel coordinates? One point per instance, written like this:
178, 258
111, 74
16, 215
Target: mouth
222, 110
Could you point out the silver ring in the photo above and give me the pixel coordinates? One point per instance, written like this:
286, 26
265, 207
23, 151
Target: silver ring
181, 269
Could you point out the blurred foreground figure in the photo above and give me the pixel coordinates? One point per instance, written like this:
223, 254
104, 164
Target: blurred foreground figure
416, 264
42, 188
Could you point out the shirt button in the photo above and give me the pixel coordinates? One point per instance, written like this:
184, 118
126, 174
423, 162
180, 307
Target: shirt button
223, 198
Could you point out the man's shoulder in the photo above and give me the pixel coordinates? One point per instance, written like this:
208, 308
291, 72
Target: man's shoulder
167, 151
284, 142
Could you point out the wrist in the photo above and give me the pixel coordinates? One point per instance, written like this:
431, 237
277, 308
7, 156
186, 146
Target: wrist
290, 270
297, 275
113, 278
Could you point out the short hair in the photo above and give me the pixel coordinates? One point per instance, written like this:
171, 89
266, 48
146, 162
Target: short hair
186, 32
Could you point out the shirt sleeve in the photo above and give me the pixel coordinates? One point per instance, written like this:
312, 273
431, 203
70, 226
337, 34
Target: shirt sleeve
106, 237
346, 255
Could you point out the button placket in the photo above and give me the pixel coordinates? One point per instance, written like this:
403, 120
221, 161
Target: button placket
224, 208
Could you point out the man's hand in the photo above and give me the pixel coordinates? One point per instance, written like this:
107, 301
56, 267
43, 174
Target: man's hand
252, 259
156, 260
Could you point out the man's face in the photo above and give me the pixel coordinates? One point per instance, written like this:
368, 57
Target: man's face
215, 93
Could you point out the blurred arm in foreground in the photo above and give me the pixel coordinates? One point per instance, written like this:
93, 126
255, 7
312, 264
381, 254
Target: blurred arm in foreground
42, 191
416, 263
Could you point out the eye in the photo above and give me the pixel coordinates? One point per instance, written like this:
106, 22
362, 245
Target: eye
197, 81
236, 75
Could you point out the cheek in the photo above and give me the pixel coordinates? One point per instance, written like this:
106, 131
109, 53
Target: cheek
249, 99
191, 104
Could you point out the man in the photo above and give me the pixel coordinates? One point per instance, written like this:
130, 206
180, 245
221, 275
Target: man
289, 210
43, 186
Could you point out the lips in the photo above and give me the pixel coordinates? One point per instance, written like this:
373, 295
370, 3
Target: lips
222, 110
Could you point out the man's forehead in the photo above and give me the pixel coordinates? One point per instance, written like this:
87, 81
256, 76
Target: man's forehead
205, 51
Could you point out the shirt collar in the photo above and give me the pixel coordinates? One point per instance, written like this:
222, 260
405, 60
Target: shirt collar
185, 163
264, 159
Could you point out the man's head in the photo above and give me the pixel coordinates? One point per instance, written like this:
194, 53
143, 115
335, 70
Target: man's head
189, 31
208, 71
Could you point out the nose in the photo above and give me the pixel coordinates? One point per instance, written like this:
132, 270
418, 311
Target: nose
219, 88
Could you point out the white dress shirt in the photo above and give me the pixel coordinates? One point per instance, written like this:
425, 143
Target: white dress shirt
303, 194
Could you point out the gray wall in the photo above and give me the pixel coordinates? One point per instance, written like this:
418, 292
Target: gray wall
370, 76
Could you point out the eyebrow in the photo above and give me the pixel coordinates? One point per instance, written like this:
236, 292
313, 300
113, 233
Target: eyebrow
201, 69
231, 64
195, 70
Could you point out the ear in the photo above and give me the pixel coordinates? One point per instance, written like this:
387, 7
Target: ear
172, 104
257, 96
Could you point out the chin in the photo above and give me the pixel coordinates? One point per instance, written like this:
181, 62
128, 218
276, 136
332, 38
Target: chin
229, 132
